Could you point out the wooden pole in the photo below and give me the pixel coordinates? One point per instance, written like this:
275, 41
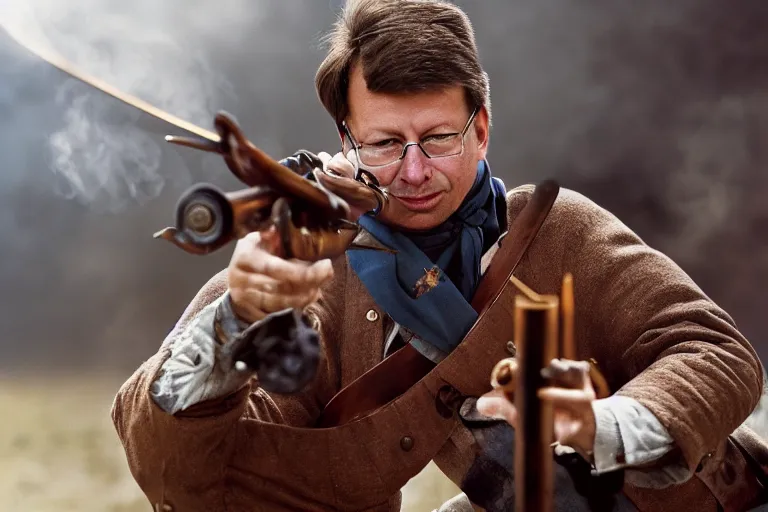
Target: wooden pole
536, 337
568, 350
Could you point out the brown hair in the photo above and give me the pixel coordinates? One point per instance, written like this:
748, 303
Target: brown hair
402, 46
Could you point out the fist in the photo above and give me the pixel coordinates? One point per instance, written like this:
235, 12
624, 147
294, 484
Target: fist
571, 395
261, 283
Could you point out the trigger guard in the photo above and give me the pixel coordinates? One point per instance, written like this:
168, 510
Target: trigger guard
369, 180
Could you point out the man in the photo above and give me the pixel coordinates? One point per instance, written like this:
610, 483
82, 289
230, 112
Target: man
403, 82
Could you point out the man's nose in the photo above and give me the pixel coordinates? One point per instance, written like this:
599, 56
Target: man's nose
413, 169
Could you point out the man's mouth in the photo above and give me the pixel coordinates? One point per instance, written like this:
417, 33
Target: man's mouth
420, 203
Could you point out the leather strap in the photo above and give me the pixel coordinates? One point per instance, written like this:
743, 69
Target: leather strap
755, 450
737, 476
732, 480
400, 371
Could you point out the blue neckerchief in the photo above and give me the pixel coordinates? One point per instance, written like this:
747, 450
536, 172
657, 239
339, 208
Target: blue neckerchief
442, 315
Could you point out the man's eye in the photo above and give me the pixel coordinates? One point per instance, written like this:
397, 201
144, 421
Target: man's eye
384, 143
440, 137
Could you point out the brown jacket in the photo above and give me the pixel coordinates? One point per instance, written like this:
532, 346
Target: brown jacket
655, 335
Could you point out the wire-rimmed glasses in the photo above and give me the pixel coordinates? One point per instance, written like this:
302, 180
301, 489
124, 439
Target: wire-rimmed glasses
388, 151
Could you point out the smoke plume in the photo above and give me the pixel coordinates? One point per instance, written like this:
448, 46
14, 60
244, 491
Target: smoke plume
99, 155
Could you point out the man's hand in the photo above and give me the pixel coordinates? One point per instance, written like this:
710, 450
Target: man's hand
261, 283
338, 175
339, 164
571, 397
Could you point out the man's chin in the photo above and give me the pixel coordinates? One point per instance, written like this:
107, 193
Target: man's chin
415, 221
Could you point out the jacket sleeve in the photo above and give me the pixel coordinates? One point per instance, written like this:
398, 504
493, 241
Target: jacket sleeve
173, 457
178, 448
655, 333
199, 368
628, 436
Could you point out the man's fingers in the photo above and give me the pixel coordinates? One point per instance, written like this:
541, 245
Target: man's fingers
567, 373
496, 405
258, 295
299, 273
314, 296
325, 158
267, 241
341, 165
574, 400
267, 284
248, 311
565, 430
263, 283
271, 302
316, 274
554, 394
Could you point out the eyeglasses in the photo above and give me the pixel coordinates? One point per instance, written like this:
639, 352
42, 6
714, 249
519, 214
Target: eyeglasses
389, 151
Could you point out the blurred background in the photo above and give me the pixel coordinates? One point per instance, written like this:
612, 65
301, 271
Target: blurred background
657, 110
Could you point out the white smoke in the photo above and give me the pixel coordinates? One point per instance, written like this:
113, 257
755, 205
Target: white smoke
704, 190
145, 48
96, 161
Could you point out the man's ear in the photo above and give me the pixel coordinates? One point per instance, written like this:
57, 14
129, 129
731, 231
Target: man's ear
482, 131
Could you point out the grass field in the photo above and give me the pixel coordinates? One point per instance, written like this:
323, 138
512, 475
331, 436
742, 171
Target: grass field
59, 452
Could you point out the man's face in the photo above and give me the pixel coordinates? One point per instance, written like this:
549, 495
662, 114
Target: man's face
426, 191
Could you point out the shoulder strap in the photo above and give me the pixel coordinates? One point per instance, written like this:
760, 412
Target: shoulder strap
397, 373
737, 476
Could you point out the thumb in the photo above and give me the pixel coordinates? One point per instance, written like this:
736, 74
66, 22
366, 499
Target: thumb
325, 158
496, 405
341, 165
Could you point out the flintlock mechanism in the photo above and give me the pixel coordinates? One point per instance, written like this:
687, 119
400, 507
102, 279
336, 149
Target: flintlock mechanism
308, 207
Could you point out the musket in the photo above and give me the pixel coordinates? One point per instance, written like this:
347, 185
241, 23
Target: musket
543, 331
310, 209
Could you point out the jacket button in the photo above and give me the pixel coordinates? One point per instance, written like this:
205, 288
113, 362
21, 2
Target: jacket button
372, 315
511, 348
406, 443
